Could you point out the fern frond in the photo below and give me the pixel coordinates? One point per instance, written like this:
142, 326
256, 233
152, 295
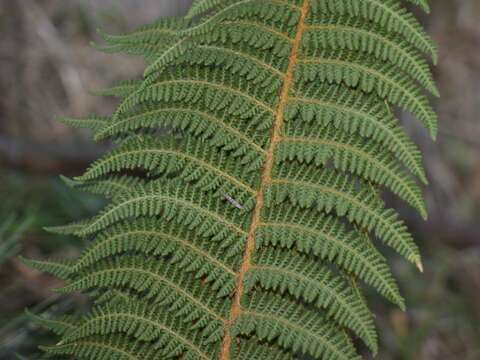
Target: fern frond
174, 51
245, 183
326, 191
160, 32
256, 35
162, 285
59, 326
355, 34
92, 122
104, 348
350, 154
145, 323
189, 161
110, 187
228, 10
187, 206
223, 93
148, 51
296, 328
68, 229
388, 14
304, 279
214, 128
327, 239
247, 349
359, 71
150, 237
259, 71
120, 90
55, 268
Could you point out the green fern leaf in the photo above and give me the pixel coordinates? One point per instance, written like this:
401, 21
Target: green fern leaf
245, 183
387, 13
305, 280
59, 326
110, 187
122, 89
350, 153
104, 348
93, 122
328, 239
353, 112
58, 269
354, 34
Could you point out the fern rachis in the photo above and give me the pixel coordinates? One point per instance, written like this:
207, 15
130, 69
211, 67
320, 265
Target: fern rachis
243, 229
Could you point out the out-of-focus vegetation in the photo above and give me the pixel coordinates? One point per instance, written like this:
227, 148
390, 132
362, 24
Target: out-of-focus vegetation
47, 67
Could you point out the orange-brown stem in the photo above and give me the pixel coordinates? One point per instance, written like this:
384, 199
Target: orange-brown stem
266, 180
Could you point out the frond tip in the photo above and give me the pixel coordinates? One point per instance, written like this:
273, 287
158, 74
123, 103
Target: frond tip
245, 184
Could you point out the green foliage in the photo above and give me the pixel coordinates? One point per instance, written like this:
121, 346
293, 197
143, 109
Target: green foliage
10, 233
246, 183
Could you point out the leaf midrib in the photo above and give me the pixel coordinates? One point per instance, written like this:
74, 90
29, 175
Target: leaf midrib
266, 179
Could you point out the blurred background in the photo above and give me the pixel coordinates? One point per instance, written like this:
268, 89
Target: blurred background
47, 68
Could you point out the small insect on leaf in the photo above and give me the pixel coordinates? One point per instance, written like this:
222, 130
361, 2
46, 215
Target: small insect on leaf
233, 201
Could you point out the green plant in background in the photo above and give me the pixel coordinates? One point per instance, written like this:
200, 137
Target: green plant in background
10, 236
246, 183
